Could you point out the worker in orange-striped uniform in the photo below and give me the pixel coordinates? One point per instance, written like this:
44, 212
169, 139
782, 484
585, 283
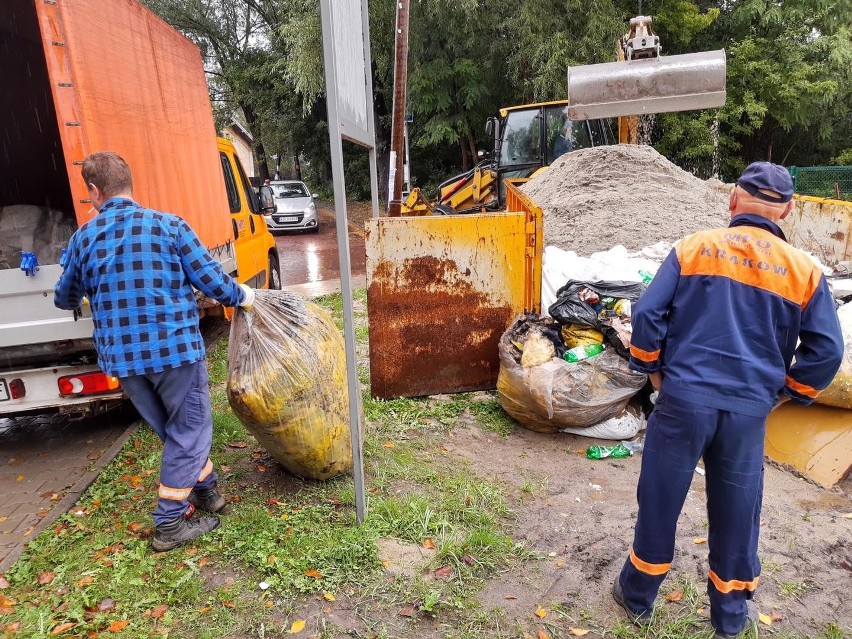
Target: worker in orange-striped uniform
717, 332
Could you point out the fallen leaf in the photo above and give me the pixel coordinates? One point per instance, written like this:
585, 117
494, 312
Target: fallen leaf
540, 612
510, 597
699, 540
541, 634
328, 596
408, 611
45, 578
297, 627
5, 602
429, 543
674, 595
19, 478
58, 630
444, 572
578, 632
313, 572
237, 444
106, 605
261, 468
764, 619
223, 468
228, 604
205, 610
775, 616
3, 583
12, 628
6, 611
388, 444
203, 562
156, 613
468, 560
272, 501
191, 551
135, 527
271, 559
118, 626
334, 501
269, 604
85, 581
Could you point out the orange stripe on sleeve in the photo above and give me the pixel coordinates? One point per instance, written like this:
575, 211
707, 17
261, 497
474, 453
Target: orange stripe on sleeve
802, 389
649, 569
645, 356
729, 586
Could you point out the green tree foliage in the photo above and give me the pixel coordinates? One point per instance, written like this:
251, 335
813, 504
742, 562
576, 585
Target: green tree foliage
789, 77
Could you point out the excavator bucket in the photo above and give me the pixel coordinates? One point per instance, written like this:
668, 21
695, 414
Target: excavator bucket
652, 85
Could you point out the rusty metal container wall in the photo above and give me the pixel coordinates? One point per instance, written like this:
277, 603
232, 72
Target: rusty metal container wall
441, 290
822, 227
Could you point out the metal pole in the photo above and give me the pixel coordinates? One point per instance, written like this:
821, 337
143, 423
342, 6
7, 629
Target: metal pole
336, 141
400, 84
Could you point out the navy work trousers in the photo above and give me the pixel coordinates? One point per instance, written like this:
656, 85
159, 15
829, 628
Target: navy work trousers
679, 434
176, 403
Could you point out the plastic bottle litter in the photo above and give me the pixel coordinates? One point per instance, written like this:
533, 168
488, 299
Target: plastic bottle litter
580, 353
634, 445
646, 276
618, 451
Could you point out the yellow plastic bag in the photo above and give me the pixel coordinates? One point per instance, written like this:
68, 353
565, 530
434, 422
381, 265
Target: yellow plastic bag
287, 383
839, 392
576, 335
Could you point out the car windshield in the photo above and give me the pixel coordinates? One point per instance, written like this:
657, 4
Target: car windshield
290, 190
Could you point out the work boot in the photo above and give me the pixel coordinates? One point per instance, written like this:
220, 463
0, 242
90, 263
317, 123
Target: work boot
639, 619
209, 499
172, 534
751, 622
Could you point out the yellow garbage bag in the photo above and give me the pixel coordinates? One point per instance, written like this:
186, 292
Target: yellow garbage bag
839, 392
287, 383
575, 335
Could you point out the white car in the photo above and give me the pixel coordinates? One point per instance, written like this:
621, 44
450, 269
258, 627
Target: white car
295, 207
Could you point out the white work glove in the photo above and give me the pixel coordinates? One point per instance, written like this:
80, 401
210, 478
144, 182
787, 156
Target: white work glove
248, 297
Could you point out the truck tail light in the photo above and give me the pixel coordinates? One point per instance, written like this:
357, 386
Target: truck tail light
17, 388
87, 384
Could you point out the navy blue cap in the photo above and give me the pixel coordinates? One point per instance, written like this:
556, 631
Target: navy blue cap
768, 176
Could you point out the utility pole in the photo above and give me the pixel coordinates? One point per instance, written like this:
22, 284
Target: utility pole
400, 86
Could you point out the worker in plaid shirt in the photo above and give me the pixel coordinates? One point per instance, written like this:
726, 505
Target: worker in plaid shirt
137, 268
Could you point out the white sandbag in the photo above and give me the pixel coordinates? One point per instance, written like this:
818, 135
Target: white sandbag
623, 426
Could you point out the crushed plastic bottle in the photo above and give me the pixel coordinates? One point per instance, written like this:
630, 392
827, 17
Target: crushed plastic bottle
619, 451
634, 445
646, 277
579, 353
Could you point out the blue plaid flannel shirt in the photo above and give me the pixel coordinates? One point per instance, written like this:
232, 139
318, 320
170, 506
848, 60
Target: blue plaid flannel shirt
137, 268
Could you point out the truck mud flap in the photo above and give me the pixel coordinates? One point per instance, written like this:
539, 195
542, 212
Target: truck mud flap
441, 291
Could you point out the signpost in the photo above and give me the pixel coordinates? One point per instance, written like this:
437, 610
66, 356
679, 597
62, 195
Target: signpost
349, 96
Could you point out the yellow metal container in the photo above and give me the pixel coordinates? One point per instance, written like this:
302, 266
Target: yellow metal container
440, 292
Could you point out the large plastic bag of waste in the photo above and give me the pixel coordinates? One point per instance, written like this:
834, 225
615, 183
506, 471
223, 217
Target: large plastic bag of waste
287, 383
570, 309
557, 394
839, 392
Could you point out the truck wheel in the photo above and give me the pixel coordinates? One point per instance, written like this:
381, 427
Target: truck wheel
274, 272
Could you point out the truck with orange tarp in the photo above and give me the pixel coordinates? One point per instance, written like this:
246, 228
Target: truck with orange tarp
81, 76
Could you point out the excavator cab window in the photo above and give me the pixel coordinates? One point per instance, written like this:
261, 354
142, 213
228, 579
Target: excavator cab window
521, 138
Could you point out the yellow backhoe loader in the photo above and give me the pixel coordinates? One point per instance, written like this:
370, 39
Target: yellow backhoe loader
528, 138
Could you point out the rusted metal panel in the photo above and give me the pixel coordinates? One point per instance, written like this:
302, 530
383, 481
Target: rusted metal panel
440, 292
822, 227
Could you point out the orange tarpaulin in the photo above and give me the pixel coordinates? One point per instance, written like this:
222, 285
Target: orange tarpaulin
123, 80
